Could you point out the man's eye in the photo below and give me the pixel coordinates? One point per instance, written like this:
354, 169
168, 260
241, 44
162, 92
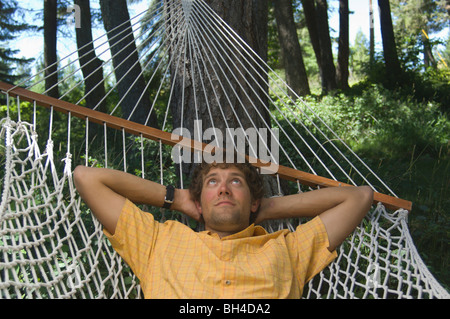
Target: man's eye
236, 181
212, 181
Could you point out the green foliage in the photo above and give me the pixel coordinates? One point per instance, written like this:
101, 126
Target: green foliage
359, 57
434, 85
381, 123
407, 145
10, 27
403, 134
417, 83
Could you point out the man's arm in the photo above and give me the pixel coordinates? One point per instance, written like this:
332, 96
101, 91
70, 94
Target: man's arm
341, 209
105, 190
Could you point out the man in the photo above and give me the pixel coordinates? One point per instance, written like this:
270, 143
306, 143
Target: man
231, 258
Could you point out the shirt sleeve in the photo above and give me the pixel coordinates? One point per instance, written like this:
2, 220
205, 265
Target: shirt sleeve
134, 236
311, 249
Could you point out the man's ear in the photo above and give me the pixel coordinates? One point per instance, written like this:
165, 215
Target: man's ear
255, 205
199, 207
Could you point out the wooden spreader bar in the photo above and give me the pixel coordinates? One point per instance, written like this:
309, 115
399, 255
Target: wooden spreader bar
114, 122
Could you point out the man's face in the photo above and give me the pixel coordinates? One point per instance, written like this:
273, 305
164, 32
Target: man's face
225, 201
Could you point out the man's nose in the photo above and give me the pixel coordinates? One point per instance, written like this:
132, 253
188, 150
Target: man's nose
223, 189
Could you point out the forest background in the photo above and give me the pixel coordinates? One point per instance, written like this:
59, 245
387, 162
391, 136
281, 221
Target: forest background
389, 101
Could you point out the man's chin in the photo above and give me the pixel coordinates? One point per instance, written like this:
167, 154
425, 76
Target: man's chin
226, 216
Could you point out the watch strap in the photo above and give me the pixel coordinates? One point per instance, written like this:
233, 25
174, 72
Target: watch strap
168, 200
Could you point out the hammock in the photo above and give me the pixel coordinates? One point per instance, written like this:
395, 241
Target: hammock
51, 246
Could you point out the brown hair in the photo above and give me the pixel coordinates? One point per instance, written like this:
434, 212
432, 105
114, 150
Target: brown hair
252, 177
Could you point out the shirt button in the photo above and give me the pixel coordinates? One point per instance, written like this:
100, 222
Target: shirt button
227, 282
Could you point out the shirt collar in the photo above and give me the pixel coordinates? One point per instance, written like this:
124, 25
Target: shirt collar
250, 231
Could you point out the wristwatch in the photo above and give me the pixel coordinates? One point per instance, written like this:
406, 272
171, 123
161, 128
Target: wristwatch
168, 200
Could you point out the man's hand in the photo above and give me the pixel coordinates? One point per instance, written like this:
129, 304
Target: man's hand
183, 203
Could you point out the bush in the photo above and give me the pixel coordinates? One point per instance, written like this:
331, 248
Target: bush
383, 123
407, 145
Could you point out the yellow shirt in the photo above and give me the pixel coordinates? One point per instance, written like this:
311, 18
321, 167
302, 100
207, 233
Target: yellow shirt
173, 261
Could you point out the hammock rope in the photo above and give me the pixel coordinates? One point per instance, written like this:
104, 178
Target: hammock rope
51, 246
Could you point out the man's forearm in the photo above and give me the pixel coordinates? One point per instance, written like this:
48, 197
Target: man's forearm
308, 204
340, 209
134, 188
105, 190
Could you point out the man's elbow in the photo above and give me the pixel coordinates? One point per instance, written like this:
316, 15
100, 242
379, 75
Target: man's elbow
80, 175
365, 196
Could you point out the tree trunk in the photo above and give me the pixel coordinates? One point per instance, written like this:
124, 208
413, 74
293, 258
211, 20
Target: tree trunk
309, 10
91, 66
127, 69
428, 58
328, 69
343, 54
392, 64
371, 34
249, 20
291, 51
226, 104
50, 53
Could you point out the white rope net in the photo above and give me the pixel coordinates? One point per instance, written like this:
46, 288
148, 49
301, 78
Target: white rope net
51, 246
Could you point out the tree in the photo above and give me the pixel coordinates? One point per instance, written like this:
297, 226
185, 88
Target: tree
343, 53
91, 65
446, 52
249, 20
359, 57
311, 22
291, 51
371, 34
317, 21
191, 101
127, 69
9, 28
151, 47
326, 53
392, 65
50, 48
415, 20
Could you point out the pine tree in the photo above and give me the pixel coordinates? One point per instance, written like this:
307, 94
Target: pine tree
10, 27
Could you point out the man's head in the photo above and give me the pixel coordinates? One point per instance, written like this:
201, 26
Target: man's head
227, 195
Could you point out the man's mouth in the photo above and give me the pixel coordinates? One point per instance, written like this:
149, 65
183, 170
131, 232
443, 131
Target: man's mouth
225, 203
